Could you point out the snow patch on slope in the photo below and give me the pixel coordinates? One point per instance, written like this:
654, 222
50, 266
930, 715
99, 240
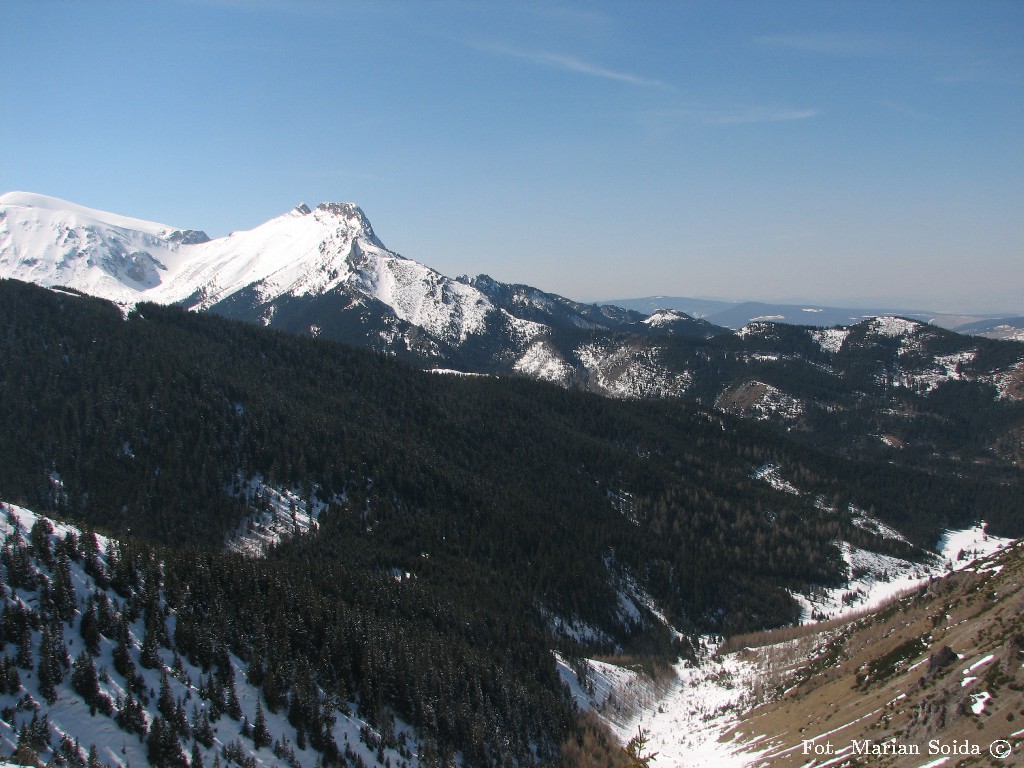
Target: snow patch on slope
542, 361
704, 702
893, 327
945, 368
665, 318
876, 578
278, 514
829, 339
630, 372
760, 401
770, 473
445, 308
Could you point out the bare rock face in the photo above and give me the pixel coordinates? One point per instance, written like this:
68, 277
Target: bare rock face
188, 237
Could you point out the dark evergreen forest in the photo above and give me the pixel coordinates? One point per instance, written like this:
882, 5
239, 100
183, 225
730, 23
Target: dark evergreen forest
509, 502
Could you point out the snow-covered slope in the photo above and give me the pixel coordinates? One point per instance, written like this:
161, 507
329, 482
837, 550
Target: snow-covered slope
56, 722
302, 253
52, 242
321, 271
703, 714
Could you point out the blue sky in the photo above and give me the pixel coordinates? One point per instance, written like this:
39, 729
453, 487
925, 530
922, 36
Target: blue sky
860, 152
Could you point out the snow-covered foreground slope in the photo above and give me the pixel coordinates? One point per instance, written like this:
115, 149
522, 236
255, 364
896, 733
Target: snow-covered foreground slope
214, 718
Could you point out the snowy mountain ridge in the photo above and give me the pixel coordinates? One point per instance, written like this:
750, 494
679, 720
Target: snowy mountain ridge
54, 242
323, 272
328, 255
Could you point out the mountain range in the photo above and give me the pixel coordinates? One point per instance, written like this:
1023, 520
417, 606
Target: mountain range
319, 271
886, 387
379, 550
736, 314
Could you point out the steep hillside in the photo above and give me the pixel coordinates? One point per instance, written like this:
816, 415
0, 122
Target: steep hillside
878, 686
102, 662
935, 678
158, 423
180, 427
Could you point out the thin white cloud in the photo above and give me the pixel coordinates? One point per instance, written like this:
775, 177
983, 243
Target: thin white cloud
747, 115
570, 64
955, 63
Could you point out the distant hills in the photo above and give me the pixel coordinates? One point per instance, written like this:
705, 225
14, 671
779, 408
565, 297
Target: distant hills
735, 315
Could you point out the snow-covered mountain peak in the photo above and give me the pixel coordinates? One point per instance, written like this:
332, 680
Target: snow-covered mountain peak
50, 241
481, 282
54, 242
47, 208
665, 317
352, 217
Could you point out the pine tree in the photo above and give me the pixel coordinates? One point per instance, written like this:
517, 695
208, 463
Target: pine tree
39, 732
164, 750
635, 751
89, 628
50, 671
260, 734
131, 717
85, 681
150, 655
165, 701
123, 662
40, 534
202, 731
234, 707
23, 658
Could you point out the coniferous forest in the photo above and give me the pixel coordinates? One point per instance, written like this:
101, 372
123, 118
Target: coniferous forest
465, 523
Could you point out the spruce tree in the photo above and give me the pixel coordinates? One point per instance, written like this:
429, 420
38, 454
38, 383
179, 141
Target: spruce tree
260, 734
89, 628
85, 681
50, 671
150, 655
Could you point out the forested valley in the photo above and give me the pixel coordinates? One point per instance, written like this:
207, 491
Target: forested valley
470, 524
